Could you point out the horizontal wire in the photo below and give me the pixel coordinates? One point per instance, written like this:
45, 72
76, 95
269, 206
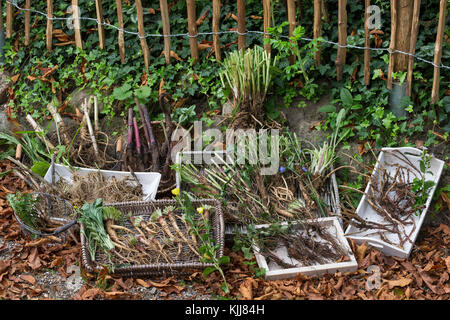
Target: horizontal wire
176, 35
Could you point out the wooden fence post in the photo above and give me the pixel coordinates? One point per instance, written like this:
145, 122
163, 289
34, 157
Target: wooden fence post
216, 28
27, 22
342, 34
9, 20
393, 42
49, 31
192, 28
101, 30
412, 46
166, 28
292, 23
76, 23
241, 24
438, 52
141, 30
121, 40
317, 28
266, 8
366, 44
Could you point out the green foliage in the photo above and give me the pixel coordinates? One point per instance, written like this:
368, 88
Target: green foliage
201, 228
22, 204
247, 75
421, 187
91, 216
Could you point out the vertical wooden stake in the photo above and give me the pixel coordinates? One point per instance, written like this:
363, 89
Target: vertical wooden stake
438, 52
292, 23
27, 22
241, 24
101, 30
342, 34
49, 31
166, 28
76, 23
266, 7
216, 28
121, 39
141, 30
393, 42
9, 20
366, 44
317, 27
412, 44
192, 29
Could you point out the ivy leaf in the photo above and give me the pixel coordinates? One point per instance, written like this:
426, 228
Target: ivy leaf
224, 260
327, 109
346, 97
40, 168
143, 93
123, 92
208, 271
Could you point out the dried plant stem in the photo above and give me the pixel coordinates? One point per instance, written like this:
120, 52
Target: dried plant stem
91, 130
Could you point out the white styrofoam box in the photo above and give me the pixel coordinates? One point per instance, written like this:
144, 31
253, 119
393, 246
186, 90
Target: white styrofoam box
148, 180
276, 272
365, 211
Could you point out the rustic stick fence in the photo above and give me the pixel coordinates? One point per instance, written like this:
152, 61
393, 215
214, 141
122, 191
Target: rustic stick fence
320, 13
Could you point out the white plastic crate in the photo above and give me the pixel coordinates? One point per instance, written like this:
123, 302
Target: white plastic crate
148, 180
365, 211
276, 272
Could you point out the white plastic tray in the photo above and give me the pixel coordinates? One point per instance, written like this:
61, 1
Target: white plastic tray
148, 180
366, 212
275, 272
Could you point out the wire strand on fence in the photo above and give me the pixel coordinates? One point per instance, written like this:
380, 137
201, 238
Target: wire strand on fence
177, 35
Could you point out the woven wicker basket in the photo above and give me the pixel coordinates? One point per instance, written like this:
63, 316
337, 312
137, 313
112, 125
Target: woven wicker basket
54, 208
145, 209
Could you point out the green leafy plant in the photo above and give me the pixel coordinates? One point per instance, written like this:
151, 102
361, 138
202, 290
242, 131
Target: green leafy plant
247, 74
22, 204
421, 187
200, 226
91, 216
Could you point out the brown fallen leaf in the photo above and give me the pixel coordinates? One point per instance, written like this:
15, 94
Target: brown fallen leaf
91, 294
56, 262
246, 290
4, 265
361, 251
118, 295
142, 283
15, 78
42, 241
33, 259
402, 282
447, 263
29, 278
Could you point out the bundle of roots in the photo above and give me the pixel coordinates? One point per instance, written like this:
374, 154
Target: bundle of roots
306, 244
94, 185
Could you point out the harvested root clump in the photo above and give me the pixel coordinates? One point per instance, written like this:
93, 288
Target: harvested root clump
306, 244
88, 188
41, 214
160, 237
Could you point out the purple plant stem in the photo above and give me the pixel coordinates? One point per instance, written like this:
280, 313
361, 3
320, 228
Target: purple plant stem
141, 113
153, 142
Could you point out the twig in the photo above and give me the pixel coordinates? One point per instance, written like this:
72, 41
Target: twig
40, 132
91, 130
